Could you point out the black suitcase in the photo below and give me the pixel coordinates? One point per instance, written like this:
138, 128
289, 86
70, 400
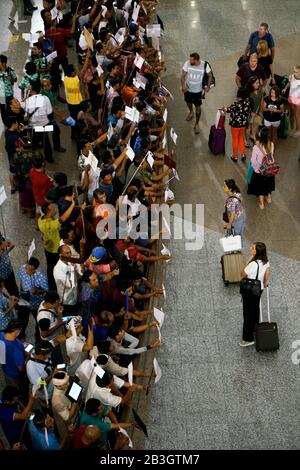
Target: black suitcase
266, 333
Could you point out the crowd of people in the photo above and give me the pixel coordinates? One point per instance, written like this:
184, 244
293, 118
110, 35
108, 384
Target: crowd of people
91, 304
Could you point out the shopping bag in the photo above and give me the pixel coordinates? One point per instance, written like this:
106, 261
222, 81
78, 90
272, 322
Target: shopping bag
231, 243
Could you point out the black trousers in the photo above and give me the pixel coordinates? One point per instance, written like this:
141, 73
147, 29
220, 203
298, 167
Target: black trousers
74, 110
51, 259
23, 316
11, 285
56, 136
251, 316
41, 140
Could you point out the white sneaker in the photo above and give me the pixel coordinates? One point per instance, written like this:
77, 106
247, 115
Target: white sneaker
244, 344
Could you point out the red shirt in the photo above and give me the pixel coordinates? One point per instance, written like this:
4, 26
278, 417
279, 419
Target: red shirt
58, 36
41, 184
77, 442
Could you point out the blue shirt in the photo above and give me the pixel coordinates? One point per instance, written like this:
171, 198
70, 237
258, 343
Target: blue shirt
5, 265
14, 355
4, 318
254, 38
38, 280
12, 429
112, 119
38, 438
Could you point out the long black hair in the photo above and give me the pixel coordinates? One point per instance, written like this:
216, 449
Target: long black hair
261, 252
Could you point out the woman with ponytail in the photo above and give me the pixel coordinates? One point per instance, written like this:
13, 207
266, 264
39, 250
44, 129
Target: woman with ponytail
260, 184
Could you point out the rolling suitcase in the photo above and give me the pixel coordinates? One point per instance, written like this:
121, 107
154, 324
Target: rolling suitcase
232, 265
266, 333
217, 135
216, 140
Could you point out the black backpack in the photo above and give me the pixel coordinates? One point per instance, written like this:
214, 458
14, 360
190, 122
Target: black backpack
205, 77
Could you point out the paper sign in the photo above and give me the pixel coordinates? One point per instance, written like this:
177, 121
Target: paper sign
159, 315
132, 114
175, 174
110, 132
31, 249
141, 79
173, 135
43, 128
165, 250
89, 39
122, 431
157, 371
54, 13
3, 196
2, 353
165, 116
166, 92
99, 371
135, 14
164, 291
51, 56
99, 70
159, 333
150, 158
72, 328
169, 195
136, 83
92, 160
130, 153
130, 374
138, 61
119, 37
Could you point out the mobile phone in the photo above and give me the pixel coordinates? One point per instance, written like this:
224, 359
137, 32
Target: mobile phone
61, 366
28, 347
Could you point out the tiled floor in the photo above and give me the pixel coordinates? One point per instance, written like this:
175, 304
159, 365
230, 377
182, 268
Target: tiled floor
212, 394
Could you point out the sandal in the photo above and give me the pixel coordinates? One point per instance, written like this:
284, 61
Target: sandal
260, 204
268, 199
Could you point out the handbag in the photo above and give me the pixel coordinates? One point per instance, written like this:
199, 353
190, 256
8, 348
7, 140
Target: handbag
231, 243
268, 166
251, 286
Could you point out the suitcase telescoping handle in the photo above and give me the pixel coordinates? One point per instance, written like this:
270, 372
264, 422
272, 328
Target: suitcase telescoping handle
268, 307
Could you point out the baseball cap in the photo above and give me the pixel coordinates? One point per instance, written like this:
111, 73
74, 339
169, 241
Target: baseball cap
97, 254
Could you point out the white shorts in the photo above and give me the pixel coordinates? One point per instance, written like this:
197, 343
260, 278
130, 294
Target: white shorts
269, 123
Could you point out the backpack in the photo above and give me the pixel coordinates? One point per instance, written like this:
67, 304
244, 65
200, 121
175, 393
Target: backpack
205, 77
268, 166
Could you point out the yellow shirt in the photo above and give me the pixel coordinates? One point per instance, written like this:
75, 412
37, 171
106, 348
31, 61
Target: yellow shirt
72, 89
50, 229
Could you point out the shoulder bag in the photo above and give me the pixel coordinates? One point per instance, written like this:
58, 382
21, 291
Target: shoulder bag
251, 286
